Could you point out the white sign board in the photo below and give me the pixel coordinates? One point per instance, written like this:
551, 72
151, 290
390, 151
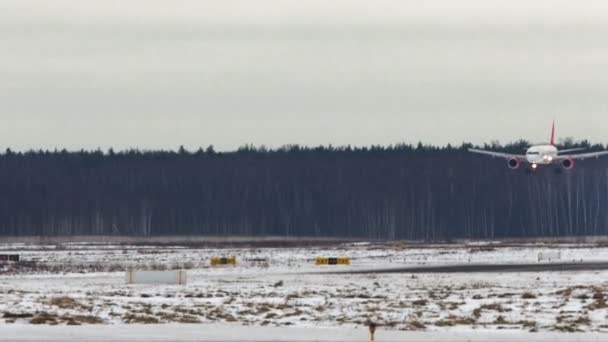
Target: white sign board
177, 277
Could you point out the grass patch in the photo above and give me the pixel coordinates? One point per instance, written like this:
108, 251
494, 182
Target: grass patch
44, 318
415, 325
11, 315
582, 320
528, 324
188, 319
141, 319
599, 300
489, 307
455, 320
219, 314
271, 315
80, 319
65, 302
567, 328
420, 302
506, 295
500, 320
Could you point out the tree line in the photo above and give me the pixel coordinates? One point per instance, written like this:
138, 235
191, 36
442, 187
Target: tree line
379, 192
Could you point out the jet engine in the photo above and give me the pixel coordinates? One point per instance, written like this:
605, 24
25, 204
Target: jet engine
568, 163
513, 163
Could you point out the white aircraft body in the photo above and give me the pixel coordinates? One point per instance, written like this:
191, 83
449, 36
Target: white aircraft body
546, 154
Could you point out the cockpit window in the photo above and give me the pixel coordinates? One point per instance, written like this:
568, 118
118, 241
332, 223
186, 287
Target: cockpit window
533, 153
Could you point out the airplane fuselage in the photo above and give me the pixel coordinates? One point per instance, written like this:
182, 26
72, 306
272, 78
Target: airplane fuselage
541, 154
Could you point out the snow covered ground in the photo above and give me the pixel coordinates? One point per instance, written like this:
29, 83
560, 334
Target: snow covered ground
74, 284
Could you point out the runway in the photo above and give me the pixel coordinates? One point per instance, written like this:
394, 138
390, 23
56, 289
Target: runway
487, 268
237, 333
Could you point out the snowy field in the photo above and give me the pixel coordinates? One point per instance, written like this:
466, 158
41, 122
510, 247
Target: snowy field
281, 288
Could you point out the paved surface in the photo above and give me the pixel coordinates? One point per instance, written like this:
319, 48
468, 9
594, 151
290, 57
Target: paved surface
486, 268
237, 333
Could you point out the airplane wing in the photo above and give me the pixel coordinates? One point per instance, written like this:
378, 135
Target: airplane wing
498, 154
571, 150
582, 156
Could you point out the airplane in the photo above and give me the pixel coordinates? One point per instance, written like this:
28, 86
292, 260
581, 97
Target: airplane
545, 154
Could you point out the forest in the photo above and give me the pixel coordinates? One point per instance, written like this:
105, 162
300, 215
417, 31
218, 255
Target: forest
417, 192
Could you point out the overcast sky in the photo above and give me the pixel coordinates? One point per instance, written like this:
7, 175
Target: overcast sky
159, 74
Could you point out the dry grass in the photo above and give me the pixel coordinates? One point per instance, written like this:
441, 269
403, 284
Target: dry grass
506, 295
420, 302
528, 295
174, 317
489, 307
453, 305
501, 320
455, 320
188, 319
582, 320
599, 299
415, 325
271, 315
80, 319
567, 292
44, 318
142, 319
528, 324
567, 323
569, 328
65, 302
482, 249
11, 315
219, 314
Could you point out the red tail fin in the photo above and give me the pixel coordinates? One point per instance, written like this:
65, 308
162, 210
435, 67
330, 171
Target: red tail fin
553, 133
